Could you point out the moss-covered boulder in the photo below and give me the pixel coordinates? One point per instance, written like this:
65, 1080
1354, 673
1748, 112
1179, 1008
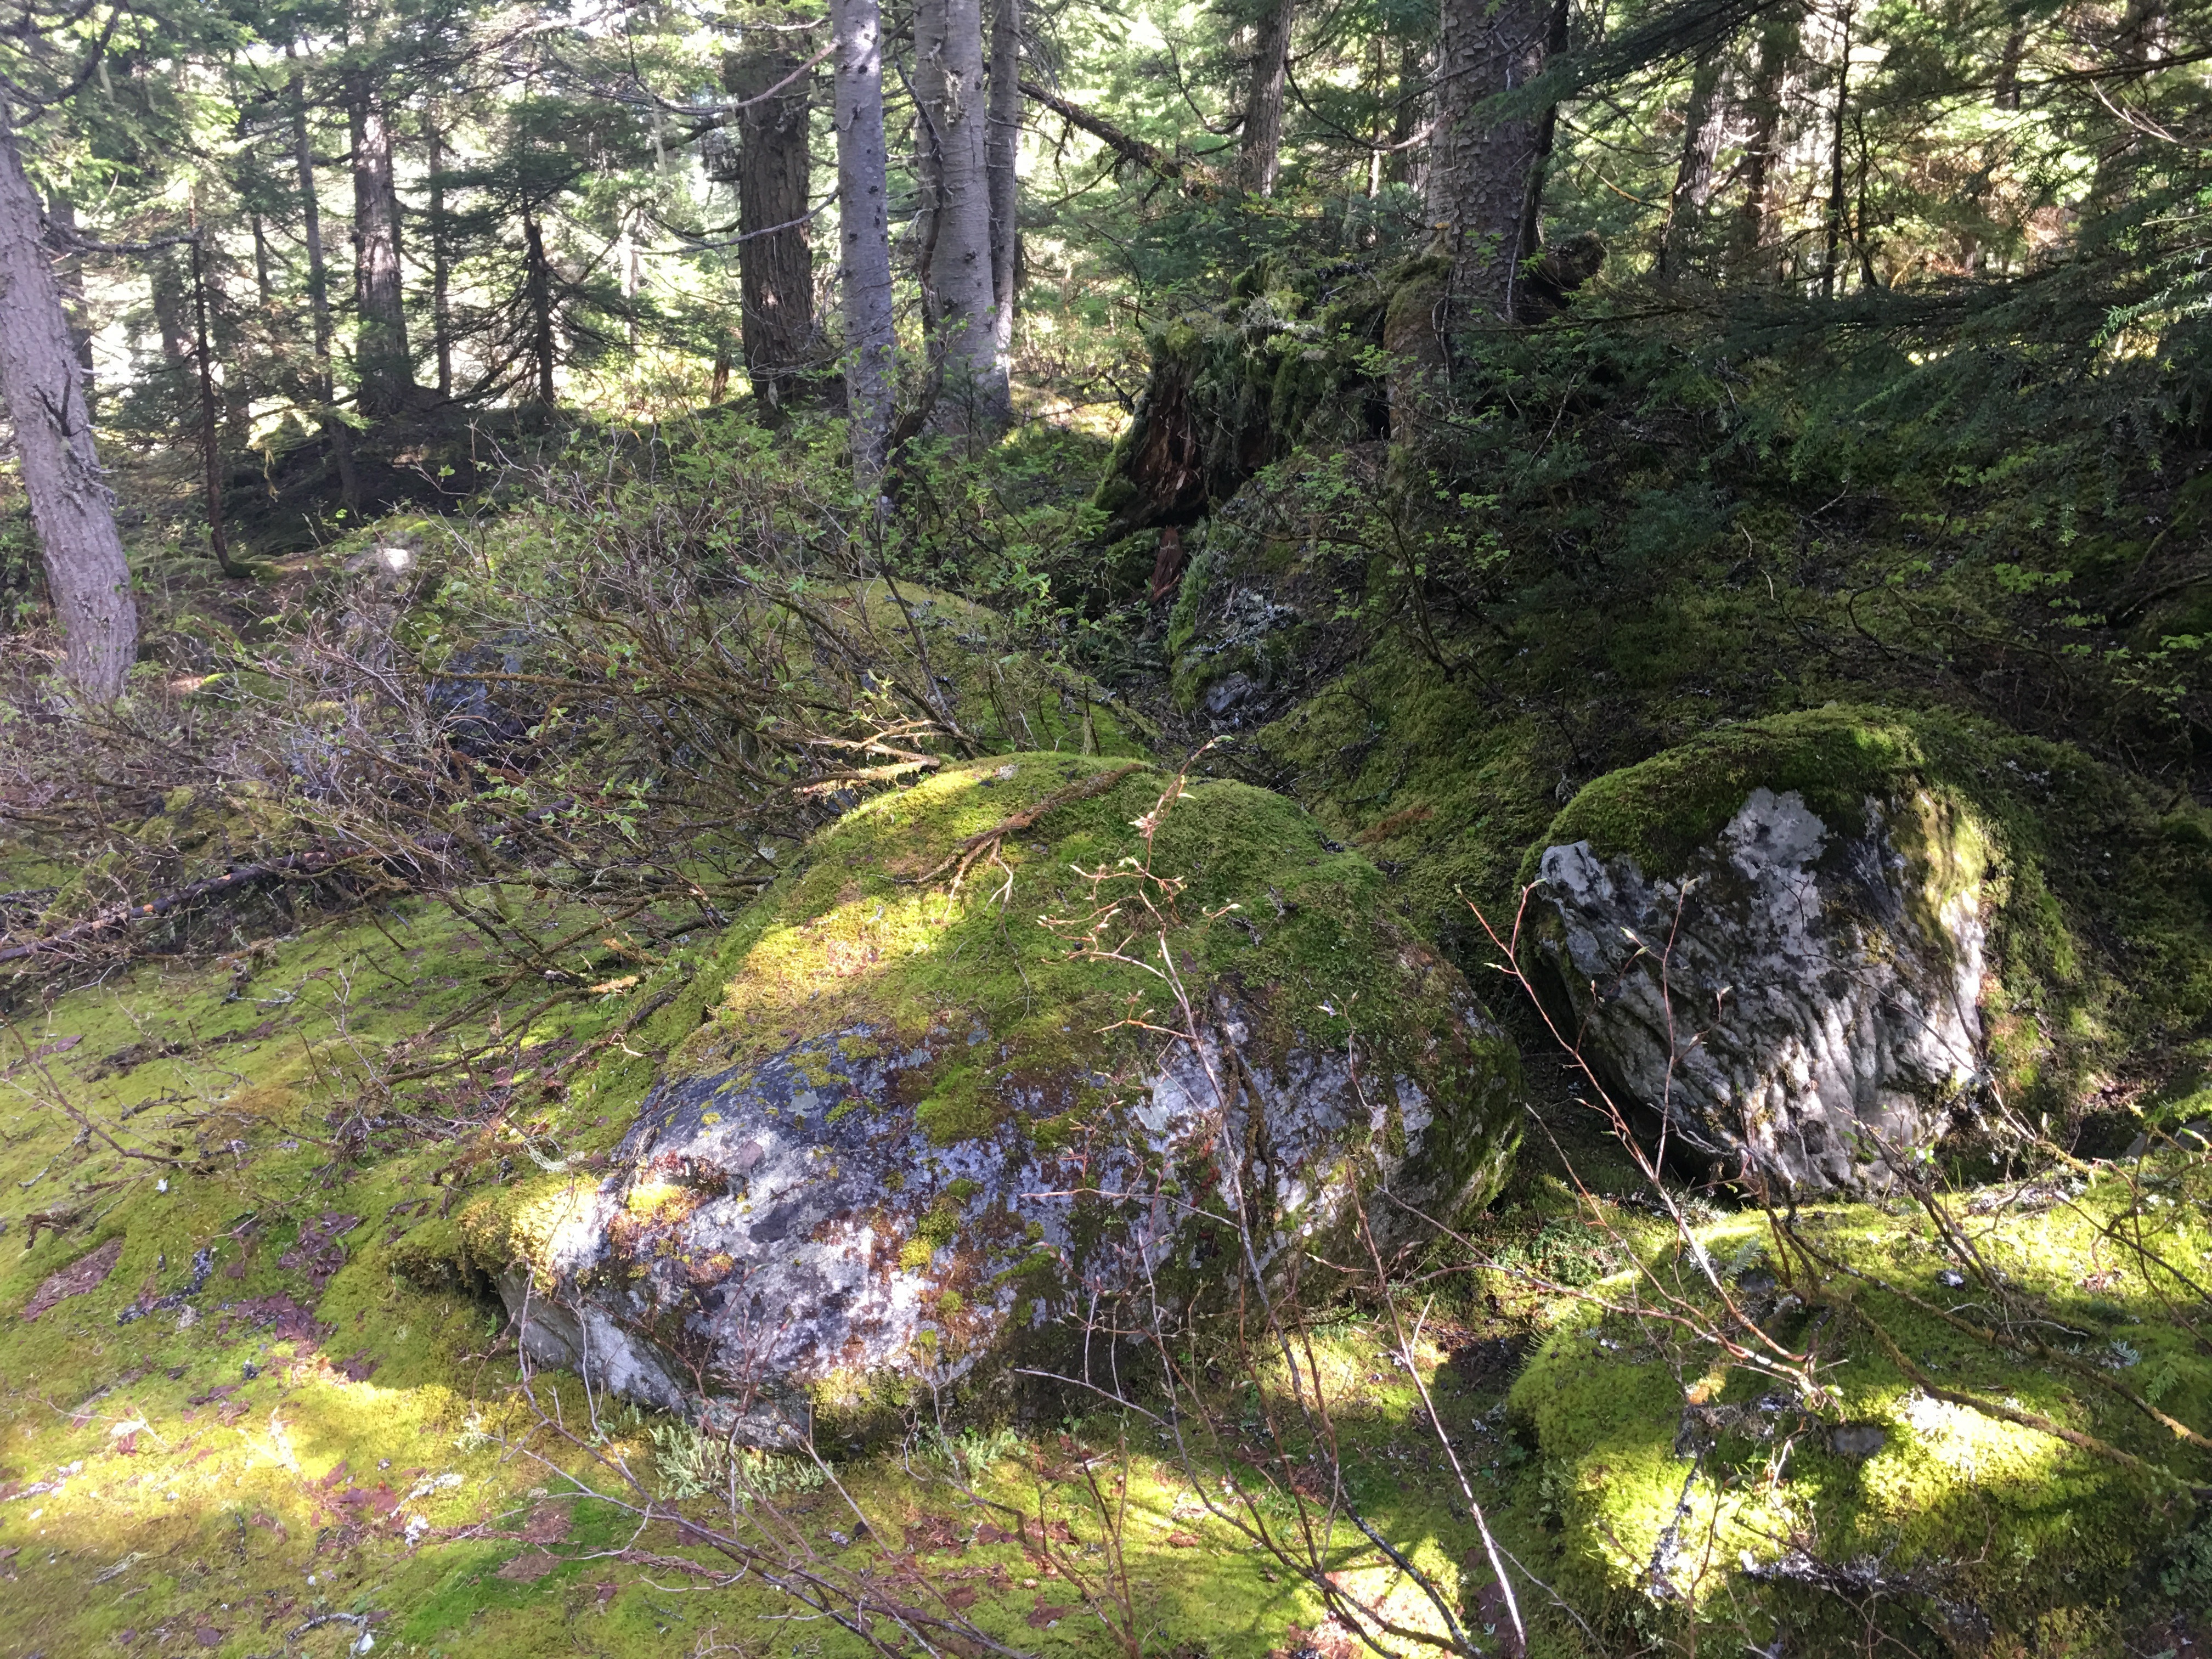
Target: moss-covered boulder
1825, 944
1008, 1047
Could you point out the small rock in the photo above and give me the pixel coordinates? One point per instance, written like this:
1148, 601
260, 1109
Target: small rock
1857, 1441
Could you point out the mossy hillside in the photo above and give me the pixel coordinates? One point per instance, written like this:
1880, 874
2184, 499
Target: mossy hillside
892, 647
296, 1352
1650, 1447
1422, 774
195, 833
2098, 891
1005, 696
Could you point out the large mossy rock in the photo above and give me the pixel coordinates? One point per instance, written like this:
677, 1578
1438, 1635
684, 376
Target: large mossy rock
917, 1137
1824, 945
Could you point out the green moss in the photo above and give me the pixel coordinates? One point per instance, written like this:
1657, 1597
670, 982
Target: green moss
1418, 771
853, 939
1641, 1434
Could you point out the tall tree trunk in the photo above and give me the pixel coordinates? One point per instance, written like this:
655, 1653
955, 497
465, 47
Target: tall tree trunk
1836, 204
70, 507
538, 290
775, 260
1693, 173
927, 86
1548, 133
2006, 94
210, 432
1779, 38
2135, 42
1259, 142
68, 276
265, 285
1405, 119
318, 294
972, 393
166, 281
384, 373
863, 248
441, 271
1482, 169
1002, 161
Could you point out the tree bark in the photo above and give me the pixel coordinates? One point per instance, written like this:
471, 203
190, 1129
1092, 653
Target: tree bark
68, 276
1693, 173
775, 260
441, 269
1002, 161
318, 294
265, 285
1778, 41
1836, 206
210, 432
166, 283
538, 294
2006, 94
927, 86
1398, 164
971, 392
863, 248
1482, 169
70, 507
1259, 142
383, 372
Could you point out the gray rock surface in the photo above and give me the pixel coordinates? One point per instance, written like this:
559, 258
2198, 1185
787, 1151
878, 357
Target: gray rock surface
789, 1235
1799, 1005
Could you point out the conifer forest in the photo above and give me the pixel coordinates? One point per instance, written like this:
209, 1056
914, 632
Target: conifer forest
1166, 828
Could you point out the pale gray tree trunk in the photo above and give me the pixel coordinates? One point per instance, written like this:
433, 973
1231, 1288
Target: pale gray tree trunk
1260, 141
1481, 169
1002, 160
971, 392
1693, 173
68, 274
864, 244
442, 305
386, 376
71, 506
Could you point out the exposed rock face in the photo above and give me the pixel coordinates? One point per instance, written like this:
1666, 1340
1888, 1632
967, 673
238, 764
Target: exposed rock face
1800, 1001
876, 1168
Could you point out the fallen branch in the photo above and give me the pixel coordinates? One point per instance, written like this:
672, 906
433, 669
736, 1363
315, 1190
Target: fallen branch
1127, 146
314, 863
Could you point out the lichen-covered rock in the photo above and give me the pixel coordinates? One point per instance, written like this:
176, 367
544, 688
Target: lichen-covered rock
919, 1136
1800, 1001
1821, 945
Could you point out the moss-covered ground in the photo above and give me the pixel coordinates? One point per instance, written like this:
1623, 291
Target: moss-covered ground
1683, 1489
310, 1430
272, 1406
